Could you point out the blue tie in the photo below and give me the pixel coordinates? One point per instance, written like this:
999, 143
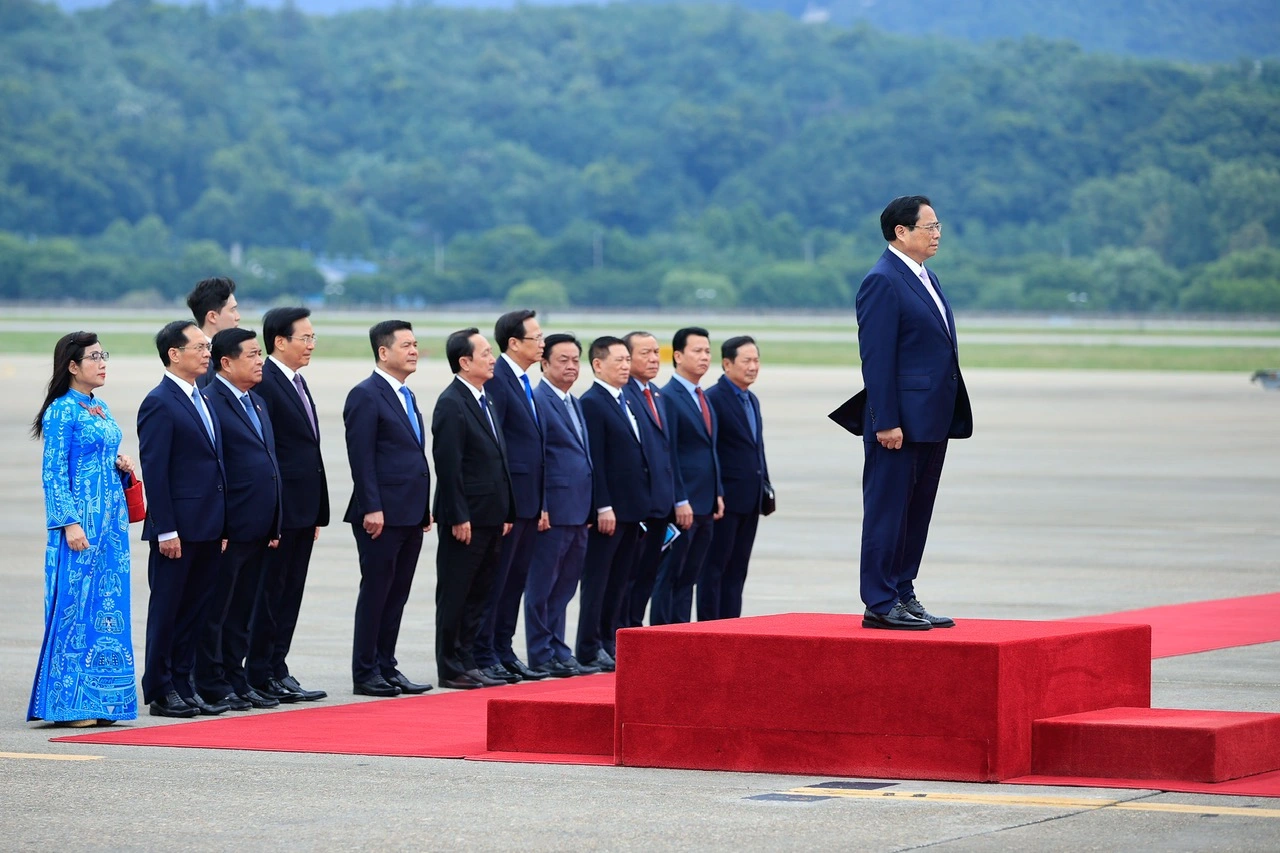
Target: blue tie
253, 416
484, 404
750, 413
528, 395
573, 417
204, 415
413, 417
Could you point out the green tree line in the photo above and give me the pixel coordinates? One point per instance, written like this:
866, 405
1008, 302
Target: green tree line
619, 155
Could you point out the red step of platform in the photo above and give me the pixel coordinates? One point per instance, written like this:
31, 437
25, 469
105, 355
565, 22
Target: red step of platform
1157, 743
576, 721
818, 693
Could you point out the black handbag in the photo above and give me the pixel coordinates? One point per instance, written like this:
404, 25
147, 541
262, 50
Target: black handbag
768, 500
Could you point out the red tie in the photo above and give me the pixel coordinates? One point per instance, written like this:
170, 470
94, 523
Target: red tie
653, 408
706, 413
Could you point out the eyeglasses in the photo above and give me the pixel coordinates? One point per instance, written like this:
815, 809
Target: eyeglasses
931, 227
306, 339
205, 347
102, 355
537, 337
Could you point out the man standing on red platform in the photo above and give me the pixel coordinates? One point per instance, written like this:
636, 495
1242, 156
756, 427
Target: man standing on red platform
915, 401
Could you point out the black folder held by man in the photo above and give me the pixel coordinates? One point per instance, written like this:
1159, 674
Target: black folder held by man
849, 413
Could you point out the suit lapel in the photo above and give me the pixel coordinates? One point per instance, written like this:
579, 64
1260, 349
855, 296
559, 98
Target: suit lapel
916, 286
290, 392
472, 405
190, 408
684, 398
516, 387
556, 405
236, 405
396, 401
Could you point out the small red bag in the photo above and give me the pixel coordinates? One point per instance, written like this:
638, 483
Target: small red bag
134, 499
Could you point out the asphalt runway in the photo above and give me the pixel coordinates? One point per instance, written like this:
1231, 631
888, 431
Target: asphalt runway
1081, 492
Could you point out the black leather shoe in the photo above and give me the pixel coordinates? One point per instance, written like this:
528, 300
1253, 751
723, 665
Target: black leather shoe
498, 673
605, 661
581, 668
913, 606
481, 677
273, 689
554, 669
235, 703
897, 619
173, 705
517, 667
206, 708
398, 679
375, 687
257, 700
462, 682
307, 695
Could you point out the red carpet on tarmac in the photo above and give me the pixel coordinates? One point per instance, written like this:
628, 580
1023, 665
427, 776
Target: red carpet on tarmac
455, 724
1204, 626
443, 725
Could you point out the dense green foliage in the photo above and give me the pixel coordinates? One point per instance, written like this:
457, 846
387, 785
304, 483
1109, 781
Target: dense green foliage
622, 155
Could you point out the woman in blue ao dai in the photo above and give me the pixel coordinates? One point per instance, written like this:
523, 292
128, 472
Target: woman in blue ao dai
85, 674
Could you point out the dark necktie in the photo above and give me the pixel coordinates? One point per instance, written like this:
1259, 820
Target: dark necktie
300, 385
706, 413
484, 404
653, 407
749, 411
253, 416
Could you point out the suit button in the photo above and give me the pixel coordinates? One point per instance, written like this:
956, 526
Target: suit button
955, 376
219, 488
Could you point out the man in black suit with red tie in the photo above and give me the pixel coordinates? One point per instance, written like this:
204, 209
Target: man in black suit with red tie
253, 520
180, 447
621, 500
289, 339
474, 506
744, 473
390, 505
667, 498
691, 426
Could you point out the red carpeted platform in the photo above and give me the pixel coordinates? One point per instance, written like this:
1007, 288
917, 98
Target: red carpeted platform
1157, 743
576, 721
818, 693
1204, 626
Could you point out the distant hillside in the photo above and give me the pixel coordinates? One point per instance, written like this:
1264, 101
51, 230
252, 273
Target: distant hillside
1173, 29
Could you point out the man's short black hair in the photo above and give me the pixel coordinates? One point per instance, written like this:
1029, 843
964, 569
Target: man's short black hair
552, 341
459, 346
600, 346
681, 339
511, 325
384, 334
171, 336
729, 349
278, 323
229, 343
210, 294
903, 210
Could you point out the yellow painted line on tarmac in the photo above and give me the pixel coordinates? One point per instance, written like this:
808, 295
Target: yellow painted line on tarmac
1039, 801
46, 756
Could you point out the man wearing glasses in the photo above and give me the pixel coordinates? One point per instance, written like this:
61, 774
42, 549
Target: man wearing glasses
180, 447
915, 399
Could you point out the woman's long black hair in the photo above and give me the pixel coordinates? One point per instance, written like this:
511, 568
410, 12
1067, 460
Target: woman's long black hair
70, 348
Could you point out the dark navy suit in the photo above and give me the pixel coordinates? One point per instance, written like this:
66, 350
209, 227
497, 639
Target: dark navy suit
665, 490
253, 519
185, 484
473, 485
523, 435
912, 375
620, 479
693, 456
559, 551
390, 475
305, 490
743, 471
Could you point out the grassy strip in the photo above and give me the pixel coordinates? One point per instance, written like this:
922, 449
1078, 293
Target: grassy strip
817, 352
